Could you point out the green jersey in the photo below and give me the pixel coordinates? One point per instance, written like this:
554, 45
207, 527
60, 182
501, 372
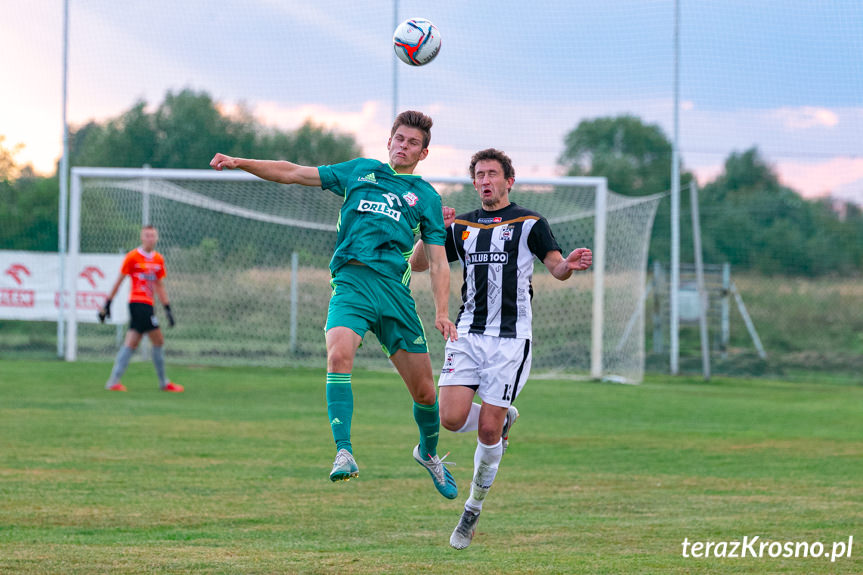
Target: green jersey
382, 213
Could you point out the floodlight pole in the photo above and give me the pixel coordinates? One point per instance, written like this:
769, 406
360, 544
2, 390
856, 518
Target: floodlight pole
675, 203
64, 192
395, 63
699, 280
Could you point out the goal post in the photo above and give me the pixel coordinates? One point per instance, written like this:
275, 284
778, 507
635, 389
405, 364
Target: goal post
248, 276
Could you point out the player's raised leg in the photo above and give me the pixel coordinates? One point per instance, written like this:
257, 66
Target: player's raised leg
415, 369
458, 412
342, 343
511, 416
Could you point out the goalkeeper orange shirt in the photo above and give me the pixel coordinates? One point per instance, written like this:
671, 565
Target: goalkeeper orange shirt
144, 269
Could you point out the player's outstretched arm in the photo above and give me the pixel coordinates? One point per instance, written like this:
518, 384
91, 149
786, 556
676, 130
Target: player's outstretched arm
578, 259
439, 272
275, 171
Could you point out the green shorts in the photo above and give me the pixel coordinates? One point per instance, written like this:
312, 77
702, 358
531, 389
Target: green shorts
364, 300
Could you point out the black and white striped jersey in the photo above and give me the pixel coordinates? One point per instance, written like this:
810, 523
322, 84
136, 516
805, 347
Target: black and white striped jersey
496, 250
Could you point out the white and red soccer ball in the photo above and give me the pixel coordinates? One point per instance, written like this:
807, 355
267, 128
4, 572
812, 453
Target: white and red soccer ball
416, 41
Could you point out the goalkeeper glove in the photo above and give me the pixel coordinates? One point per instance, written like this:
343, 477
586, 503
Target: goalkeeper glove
105, 311
171, 321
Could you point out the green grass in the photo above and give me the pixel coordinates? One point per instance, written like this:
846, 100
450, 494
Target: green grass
231, 477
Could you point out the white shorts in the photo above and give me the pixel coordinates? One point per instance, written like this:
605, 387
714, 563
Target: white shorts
496, 367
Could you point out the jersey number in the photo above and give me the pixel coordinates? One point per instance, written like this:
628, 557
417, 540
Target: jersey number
505, 392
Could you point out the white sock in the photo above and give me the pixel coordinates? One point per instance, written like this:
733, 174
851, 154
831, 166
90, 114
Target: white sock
486, 460
472, 421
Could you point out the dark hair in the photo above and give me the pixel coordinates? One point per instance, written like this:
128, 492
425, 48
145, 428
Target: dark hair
148, 227
414, 119
492, 154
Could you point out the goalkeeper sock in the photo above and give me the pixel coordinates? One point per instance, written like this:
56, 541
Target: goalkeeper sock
428, 421
472, 421
159, 362
120, 365
340, 408
486, 460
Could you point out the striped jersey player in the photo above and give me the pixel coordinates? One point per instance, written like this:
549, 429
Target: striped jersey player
496, 245
497, 250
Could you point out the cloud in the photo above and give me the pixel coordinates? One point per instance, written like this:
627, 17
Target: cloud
806, 117
814, 179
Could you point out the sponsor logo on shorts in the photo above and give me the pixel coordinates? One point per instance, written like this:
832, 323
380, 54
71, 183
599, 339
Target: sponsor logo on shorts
485, 258
380, 208
447, 364
419, 340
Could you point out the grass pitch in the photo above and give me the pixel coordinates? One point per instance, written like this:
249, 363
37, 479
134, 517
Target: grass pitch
231, 476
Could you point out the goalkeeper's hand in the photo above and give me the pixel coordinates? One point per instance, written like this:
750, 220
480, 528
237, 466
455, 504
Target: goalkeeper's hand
170, 315
105, 311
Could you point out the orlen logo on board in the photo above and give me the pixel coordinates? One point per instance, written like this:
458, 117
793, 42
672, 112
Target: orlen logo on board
11, 297
85, 300
89, 273
16, 271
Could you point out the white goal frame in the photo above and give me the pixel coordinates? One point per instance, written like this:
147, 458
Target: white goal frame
74, 244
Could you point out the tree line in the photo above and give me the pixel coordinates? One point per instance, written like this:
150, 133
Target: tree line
748, 217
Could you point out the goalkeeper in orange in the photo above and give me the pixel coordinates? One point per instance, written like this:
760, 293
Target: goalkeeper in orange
146, 268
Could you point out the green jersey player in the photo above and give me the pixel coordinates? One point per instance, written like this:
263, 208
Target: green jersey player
384, 206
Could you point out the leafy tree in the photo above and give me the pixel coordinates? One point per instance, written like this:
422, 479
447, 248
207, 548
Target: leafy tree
128, 141
752, 221
635, 157
8, 166
184, 131
748, 217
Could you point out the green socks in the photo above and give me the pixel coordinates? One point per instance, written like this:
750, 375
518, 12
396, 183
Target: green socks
428, 421
340, 408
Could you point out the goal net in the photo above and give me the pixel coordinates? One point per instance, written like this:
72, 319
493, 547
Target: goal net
248, 276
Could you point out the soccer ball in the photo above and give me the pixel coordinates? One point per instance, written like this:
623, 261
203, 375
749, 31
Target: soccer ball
416, 41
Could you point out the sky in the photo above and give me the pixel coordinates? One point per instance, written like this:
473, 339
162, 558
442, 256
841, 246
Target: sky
785, 76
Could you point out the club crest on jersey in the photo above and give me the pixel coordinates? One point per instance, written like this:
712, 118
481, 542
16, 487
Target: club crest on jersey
485, 258
496, 220
506, 234
370, 177
380, 208
411, 198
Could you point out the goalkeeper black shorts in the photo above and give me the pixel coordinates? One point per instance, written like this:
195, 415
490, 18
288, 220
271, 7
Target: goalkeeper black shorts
143, 317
